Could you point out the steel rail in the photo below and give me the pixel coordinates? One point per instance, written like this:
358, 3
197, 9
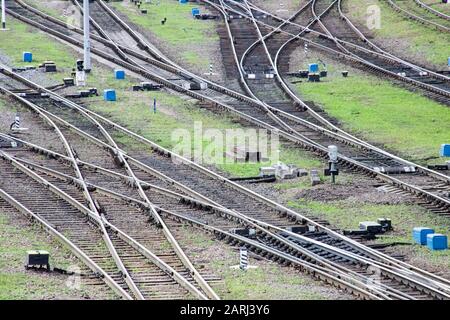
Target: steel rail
416, 17
432, 10
101, 219
337, 129
388, 57
219, 210
112, 146
263, 199
264, 225
317, 128
67, 243
316, 243
85, 191
259, 123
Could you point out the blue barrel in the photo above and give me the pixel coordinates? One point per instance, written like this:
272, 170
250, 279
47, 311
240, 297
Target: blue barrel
109, 95
445, 150
27, 56
420, 235
119, 74
195, 11
183, 1
313, 67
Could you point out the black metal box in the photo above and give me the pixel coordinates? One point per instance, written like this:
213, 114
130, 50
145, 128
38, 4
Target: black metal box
37, 258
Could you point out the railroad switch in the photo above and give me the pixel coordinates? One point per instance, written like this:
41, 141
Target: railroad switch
385, 223
248, 233
371, 227
48, 66
298, 229
439, 167
37, 258
69, 82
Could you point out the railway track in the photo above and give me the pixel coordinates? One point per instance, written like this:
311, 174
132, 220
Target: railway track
434, 182
360, 52
322, 251
432, 10
415, 11
264, 58
139, 268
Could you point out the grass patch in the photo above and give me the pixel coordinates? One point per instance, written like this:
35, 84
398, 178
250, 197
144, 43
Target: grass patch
15, 282
181, 31
22, 37
268, 281
43, 5
438, 5
180, 28
406, 122
426, 42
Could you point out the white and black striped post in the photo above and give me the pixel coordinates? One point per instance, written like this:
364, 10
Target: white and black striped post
17, 121
306, 48
3, 15
243, 261
16, 124
210, 69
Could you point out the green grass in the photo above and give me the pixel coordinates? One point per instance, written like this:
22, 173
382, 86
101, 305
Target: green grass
438, 5
427, 42
174, 114
24, 38
347, 214
43, 6
15, 282
403, 121
180, 27
268, 281
181, 30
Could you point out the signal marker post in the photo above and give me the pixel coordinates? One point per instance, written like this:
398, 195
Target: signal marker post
243, 260
210, 73
3, 16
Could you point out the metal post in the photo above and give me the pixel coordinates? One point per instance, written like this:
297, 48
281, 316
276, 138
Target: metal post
87, 41
154, 105
3, 15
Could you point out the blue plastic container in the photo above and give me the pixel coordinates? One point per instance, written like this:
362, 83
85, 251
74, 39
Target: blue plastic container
313, 68
109, 95
436, 241
119, 74
195, 11
183, 1
27, 57
420, 235
445, 150
448, 61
